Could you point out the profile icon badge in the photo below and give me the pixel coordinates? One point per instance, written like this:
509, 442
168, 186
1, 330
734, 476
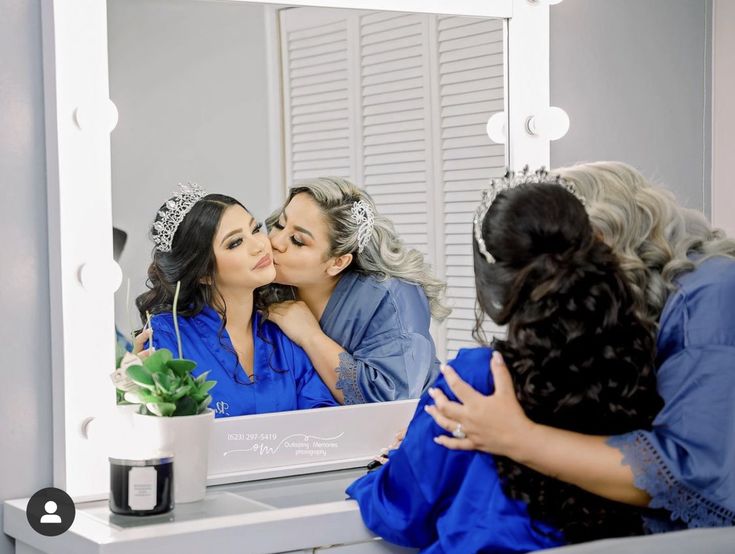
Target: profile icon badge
50, 512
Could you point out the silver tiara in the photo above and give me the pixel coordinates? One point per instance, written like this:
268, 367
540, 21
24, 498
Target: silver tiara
363, 215
509, 181
169, 219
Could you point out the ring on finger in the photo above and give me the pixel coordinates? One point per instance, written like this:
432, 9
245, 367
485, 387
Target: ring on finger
458, 433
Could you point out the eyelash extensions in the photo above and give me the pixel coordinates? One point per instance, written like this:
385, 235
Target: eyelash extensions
280, 227
237, 242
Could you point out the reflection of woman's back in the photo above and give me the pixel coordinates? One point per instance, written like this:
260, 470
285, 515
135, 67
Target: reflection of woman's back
580, 359
214, 248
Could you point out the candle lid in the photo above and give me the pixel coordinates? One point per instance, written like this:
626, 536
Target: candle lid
142, 462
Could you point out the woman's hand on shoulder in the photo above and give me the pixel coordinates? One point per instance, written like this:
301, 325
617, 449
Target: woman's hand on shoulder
295, 319
495, 424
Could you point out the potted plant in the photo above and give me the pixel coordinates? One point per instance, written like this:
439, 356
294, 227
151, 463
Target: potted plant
166, 387
173, 414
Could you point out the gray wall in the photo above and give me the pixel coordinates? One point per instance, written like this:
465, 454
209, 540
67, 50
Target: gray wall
723, 115
190, 82
586, 81
632, 76
25, 397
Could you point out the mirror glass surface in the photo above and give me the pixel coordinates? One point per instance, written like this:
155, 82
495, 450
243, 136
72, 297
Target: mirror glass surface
246, 99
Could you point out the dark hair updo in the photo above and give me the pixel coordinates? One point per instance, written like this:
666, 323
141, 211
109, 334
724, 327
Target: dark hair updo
579, 356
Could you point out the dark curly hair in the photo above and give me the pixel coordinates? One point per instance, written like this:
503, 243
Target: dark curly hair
579, 356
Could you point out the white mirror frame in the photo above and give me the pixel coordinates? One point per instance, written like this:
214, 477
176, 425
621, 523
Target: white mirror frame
80, 219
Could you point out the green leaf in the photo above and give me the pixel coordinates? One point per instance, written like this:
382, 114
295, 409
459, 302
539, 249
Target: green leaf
157, 361
174, 382
142, 396
163, 383
186, 406
133, 397
206, 386
180, 392
147, 396
163, 409
154, 409
202, 377
120, 397
181, 367
141, 376
204, 404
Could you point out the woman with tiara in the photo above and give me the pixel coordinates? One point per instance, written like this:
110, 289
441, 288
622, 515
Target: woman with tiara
213, 247
682, 274
358, 301
581, 359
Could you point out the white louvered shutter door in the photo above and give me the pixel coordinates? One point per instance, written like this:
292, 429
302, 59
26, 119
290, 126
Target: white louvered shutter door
395, 110
471, 89
398, 103
318, 82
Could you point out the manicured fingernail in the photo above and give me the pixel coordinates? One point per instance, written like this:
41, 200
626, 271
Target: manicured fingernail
427, 408
432, 392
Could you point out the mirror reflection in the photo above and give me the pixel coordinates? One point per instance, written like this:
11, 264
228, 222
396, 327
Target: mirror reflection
331, 161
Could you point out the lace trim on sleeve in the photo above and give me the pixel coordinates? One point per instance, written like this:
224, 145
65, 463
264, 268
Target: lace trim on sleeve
652, 475
347, 380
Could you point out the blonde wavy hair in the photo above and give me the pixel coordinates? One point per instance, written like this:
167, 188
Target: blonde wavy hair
651, 234
384, 255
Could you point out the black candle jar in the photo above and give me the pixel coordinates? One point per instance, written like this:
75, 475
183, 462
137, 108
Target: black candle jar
141, 487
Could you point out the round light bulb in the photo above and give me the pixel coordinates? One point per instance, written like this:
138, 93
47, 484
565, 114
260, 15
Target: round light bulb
552, 123
103, 116
101, 276
497, 127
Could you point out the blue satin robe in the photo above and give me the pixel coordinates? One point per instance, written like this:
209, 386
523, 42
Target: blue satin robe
440, 500
686, 462
384, 328
284, 377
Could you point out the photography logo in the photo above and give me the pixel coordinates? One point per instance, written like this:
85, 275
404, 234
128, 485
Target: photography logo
50, 512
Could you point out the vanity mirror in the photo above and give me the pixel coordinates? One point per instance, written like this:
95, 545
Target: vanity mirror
246, 98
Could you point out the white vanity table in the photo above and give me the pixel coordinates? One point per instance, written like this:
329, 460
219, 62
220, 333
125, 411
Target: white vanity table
300, 514
294, 514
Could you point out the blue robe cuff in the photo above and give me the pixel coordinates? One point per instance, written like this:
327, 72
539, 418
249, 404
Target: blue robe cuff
347, 380
651, 474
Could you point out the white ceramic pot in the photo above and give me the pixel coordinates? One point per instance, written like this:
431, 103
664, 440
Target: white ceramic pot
187, 439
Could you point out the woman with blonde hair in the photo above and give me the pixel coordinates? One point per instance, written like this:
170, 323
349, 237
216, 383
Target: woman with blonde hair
682, 275
357, 300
